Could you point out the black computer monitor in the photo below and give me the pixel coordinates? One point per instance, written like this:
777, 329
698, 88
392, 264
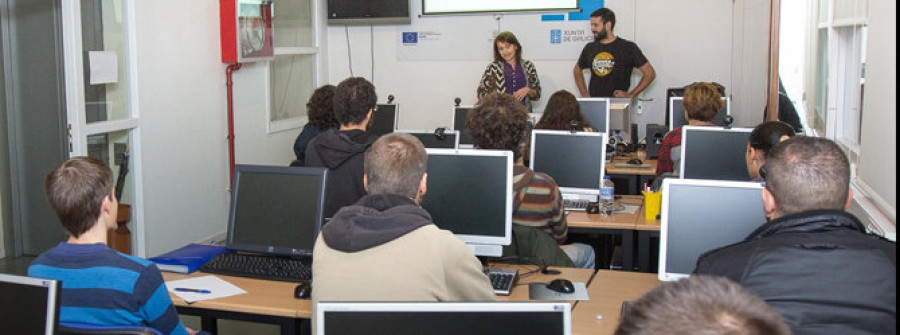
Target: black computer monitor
460, 117
470, 194
701, 215
576, 161
276, 210
443, 318
449, 139
714, 153
384, 119
677, 119
596, 112
28, 305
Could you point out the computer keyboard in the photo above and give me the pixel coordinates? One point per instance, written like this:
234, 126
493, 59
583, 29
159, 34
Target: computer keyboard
502, 279
259, 266
575, 204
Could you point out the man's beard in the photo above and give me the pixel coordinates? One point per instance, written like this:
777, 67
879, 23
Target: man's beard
601, 35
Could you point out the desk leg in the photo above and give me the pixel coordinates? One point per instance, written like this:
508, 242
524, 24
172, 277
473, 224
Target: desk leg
295, 327
628, 250
209, 325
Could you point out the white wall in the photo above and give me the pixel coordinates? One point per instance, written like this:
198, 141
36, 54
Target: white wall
181, 101
672, 35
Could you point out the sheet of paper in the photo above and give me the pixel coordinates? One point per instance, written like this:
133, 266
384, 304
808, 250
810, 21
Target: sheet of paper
104, 68
217, 288
628, 209
539, 291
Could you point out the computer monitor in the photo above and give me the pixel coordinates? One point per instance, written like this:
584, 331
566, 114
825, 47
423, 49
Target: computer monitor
28, 305
702, 215
276, 210
470, 194
576, 161
460, 116
431, 139
714, 153
677, 119
596, 112
384, 119
443, 318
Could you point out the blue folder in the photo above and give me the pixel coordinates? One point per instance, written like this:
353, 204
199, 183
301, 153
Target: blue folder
188, 258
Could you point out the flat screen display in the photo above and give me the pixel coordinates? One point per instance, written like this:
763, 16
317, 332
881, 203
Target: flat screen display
714, 153
574, 160
384, 119
460, 117
596, 112
677, 119
29, 305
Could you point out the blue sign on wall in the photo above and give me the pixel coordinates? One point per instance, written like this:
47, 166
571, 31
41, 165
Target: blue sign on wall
584, 14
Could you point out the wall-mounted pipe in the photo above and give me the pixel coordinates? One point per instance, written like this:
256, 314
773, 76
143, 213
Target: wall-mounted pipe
228, 83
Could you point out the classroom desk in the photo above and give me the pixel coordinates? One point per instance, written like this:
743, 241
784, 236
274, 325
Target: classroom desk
618, 223
266, 301
520, 290
645, 230
607, 291
636, 176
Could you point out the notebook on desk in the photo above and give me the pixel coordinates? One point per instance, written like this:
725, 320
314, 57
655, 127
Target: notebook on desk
275, 217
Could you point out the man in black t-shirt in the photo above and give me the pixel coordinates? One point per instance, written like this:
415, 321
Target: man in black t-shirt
610, 60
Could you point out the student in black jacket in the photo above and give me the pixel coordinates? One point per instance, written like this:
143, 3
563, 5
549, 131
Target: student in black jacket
342, 150
813, 262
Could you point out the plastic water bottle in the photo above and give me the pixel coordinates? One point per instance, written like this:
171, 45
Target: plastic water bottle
607, 196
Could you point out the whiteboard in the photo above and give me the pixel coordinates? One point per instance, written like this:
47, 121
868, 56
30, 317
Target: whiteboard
475, 6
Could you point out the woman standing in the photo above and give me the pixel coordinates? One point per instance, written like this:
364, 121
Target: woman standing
509, 73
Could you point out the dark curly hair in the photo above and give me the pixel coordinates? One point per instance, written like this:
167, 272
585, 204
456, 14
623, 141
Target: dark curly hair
561, 110
353, 98
498, 121
320, 108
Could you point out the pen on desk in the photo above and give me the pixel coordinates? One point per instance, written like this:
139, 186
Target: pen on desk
192, 290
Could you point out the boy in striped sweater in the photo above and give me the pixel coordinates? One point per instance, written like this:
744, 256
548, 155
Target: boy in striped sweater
99, 285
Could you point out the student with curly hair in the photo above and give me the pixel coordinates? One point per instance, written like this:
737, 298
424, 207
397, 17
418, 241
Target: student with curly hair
320, 110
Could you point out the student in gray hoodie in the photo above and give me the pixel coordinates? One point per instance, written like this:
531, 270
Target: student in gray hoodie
385, 247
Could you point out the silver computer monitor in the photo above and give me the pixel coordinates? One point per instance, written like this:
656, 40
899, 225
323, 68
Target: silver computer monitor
28, 305
460, 117
384, 119
576, 161
443, 318
470, 194
714, 153
596, 112
448, 139
676, 113
701, 215
276, 209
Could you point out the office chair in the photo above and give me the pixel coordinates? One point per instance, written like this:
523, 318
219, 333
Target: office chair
66, 328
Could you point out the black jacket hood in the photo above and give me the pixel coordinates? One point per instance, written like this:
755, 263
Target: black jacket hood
809, 222
336, 150
372, 221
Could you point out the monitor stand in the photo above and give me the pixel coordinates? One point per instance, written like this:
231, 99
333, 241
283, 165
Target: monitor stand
490, 250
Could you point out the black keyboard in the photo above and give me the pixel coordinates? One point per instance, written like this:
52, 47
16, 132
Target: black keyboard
263, 267
502, 279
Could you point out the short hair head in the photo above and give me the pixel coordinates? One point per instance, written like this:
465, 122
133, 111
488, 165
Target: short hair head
701, 305
395, 164
320, 107
702, 101
76, 189
808, 173
562, 108
767, 134
499, 122
509, 38
606, 15
353, 98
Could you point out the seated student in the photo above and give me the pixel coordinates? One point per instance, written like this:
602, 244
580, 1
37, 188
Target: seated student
385, 246
320, 110
765, 136
702, 102
813, 262
701, 305
99, 285
341, 150
561, 111
499, 122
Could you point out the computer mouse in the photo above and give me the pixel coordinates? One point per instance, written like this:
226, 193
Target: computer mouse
561, 286
635, 161
303, 291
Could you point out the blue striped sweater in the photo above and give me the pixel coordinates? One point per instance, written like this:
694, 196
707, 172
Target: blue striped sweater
101, 286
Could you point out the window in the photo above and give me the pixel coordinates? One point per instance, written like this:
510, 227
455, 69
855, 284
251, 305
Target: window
293, 73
